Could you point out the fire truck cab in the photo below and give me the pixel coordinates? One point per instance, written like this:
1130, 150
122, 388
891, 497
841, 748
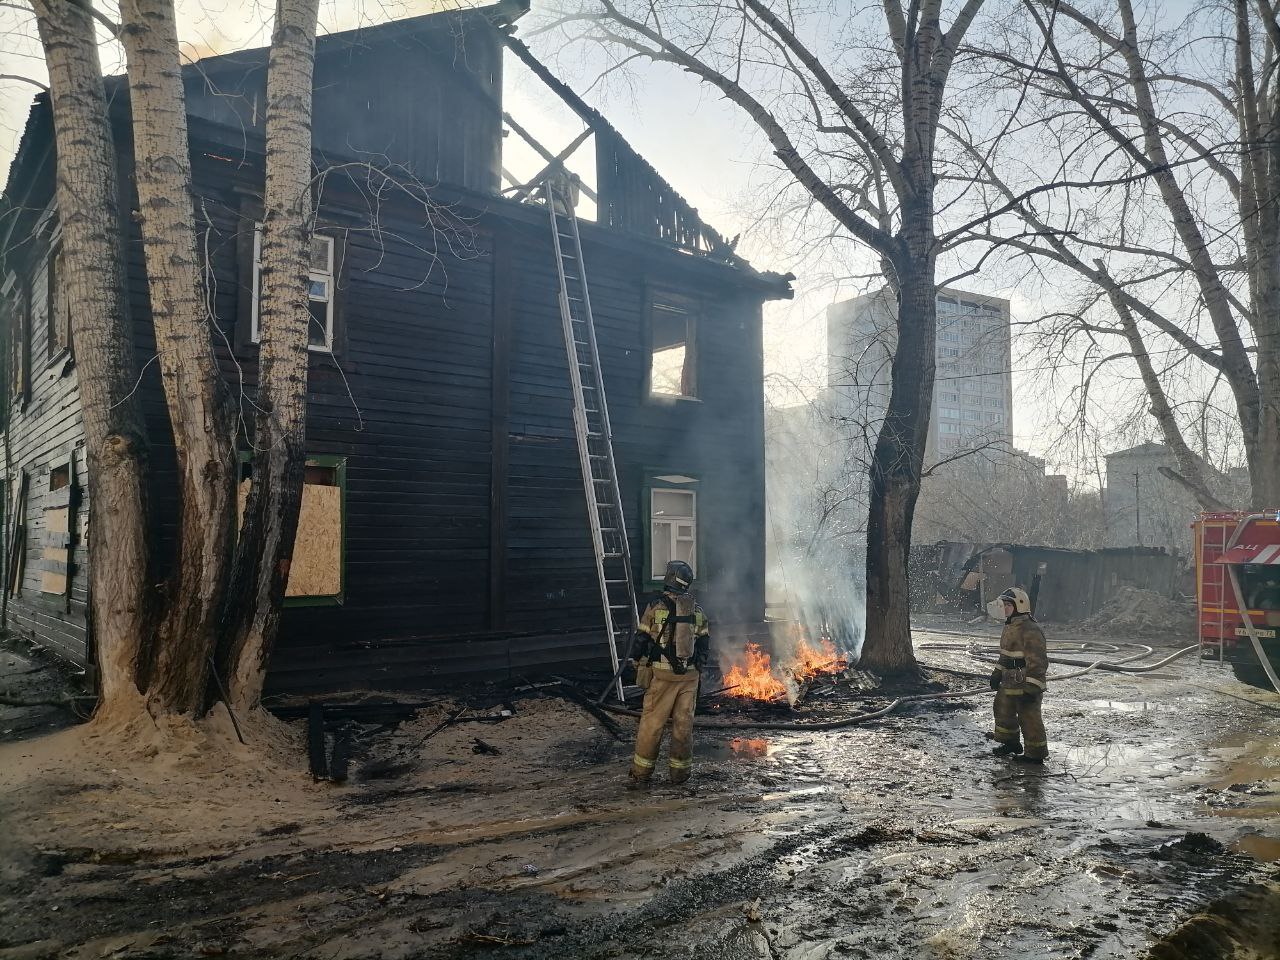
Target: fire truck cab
1238, 587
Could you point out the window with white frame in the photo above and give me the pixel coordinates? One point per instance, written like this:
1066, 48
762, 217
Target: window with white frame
320, 287
673, 518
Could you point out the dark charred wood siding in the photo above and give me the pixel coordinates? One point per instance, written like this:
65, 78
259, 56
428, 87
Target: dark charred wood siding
466, 543
424, 98
46, 432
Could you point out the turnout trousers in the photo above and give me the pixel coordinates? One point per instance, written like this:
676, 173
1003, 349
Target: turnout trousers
671, 697
1018, 721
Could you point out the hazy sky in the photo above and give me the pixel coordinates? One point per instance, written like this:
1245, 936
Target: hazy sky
694, 138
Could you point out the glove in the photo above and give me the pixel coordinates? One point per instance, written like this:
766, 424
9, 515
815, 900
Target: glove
996, 676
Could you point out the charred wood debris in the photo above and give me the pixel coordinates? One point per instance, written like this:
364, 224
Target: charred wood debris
346, 730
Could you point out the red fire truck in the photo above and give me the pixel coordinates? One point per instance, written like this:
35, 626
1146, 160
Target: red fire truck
1238, 568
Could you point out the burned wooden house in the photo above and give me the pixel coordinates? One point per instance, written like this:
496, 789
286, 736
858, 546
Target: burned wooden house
444, 529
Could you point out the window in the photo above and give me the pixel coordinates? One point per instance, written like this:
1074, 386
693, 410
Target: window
320, 290
317, 570
17, 331
673, 360
994, 418
950, 351
994, 402
949, 427
673, 525
972, 415
59, 502
949, 397
952, 412
58, 306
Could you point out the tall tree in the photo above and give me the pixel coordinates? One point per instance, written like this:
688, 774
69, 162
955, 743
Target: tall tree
115, 443
161, 643
858, 133
271, 512
199, 412
1166, 142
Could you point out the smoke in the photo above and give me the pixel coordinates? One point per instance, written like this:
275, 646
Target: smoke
817, 509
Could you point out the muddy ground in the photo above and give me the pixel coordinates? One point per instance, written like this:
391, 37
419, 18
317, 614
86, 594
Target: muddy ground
1153, 830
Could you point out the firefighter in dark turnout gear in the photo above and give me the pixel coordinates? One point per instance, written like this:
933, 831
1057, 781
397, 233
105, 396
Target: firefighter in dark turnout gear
673, 641
1020, 682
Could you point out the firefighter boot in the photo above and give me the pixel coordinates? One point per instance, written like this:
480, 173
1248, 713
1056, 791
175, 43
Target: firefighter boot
1006, 725
1031, 723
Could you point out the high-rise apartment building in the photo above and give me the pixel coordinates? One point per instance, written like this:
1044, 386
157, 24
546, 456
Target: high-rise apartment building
972, 395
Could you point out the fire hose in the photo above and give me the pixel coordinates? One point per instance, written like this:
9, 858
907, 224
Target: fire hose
1121, 665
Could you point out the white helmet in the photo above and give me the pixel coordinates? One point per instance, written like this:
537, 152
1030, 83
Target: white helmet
1018, 597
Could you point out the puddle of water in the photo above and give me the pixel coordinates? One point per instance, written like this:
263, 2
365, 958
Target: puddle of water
1128, 706
739, 748
1260, 847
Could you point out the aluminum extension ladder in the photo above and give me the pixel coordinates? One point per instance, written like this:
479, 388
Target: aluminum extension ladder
591, 424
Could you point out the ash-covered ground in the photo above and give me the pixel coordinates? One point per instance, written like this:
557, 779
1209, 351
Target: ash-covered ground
1153, 830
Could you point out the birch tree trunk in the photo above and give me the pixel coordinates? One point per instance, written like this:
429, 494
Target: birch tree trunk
115, 441
270, 522
194, 391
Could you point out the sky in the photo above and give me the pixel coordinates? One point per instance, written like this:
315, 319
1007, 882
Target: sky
698, 141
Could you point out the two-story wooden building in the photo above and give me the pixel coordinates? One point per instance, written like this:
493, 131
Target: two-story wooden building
444, 528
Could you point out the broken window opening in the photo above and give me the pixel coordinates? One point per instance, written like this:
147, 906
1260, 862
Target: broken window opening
17, 328
673, 366
58, 306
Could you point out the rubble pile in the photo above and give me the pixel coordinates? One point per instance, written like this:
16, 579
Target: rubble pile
1134, 612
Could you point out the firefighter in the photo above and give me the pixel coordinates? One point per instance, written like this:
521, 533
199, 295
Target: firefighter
673, 641
1019, 682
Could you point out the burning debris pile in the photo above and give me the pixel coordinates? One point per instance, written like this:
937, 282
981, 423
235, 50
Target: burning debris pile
794, 677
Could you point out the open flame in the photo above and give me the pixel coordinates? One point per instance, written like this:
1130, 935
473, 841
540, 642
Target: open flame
754, 676
757, 678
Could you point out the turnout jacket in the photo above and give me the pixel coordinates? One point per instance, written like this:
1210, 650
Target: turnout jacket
1024, 660
688, 638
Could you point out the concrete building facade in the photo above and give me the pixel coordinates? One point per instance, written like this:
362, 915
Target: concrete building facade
972, 396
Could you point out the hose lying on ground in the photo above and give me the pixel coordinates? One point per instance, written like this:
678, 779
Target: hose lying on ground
799, 725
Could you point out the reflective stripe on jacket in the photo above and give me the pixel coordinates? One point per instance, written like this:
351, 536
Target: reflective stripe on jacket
1022, 650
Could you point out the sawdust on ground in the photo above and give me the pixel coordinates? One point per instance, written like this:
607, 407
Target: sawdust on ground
1134, 612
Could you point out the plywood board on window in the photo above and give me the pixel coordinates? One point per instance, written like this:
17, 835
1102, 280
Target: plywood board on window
54, 580
57, 521
316, 570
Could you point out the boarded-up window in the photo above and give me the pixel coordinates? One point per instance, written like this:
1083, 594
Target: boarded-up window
59, 524
316, 572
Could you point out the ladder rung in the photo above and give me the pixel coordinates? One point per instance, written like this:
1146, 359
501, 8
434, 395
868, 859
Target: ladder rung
612, 555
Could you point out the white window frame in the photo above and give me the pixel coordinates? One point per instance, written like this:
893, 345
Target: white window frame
672, 523
313, 276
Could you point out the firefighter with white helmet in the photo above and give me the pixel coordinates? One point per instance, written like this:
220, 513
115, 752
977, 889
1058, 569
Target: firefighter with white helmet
1020, 682
673, 642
